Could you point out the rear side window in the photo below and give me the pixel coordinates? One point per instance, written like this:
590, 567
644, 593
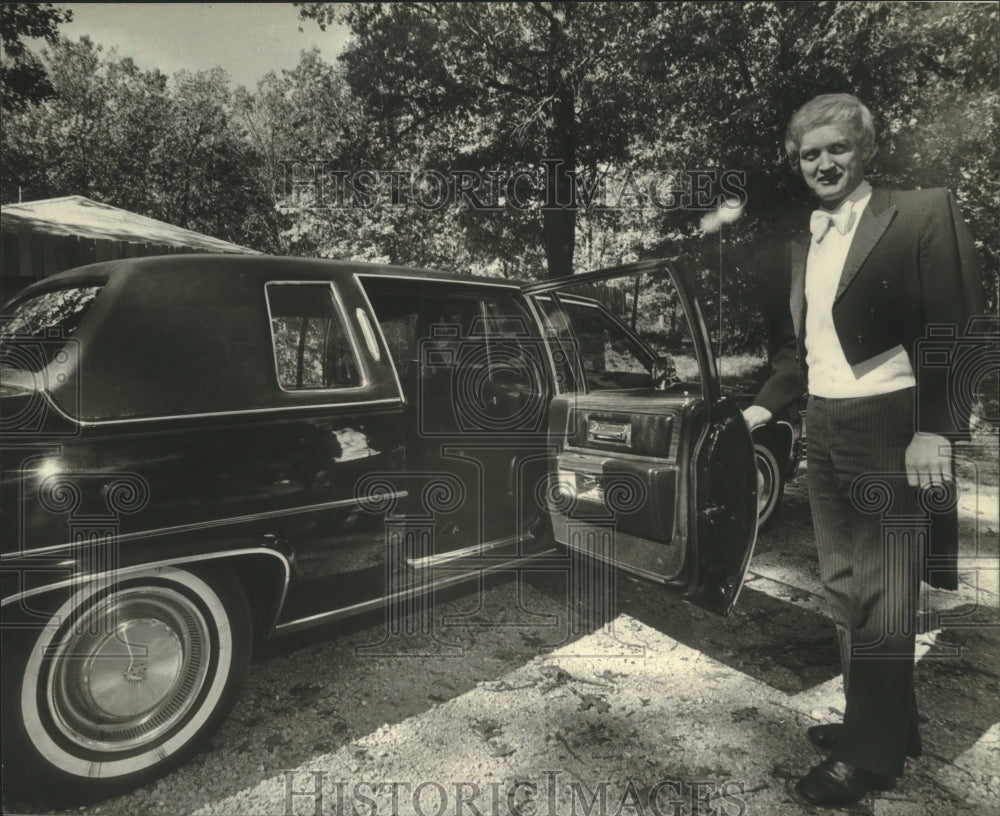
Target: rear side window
466, 355
312, 347
37, 328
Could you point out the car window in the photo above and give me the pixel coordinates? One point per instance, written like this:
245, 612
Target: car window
36, 328
625, 333
605, 349
468, 357
606, 355
312, 348
434, 326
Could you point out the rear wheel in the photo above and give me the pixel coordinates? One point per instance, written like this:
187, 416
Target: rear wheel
770, 483
126, 681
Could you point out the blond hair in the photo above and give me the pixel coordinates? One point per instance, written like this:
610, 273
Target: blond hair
831, 109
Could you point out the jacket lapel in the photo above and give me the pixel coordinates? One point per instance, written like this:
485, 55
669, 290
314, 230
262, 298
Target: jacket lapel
873, 223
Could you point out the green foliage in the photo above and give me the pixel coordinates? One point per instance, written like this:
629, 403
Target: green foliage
93, 136
496, 86
171, 149
610, 89
22, 76
676, 87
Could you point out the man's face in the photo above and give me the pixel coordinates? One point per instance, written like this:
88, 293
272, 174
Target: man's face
831, 163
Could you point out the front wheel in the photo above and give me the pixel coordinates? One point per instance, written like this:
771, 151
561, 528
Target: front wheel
125, 681
770, 483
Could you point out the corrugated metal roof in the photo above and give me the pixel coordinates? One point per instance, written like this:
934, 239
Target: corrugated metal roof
81, 217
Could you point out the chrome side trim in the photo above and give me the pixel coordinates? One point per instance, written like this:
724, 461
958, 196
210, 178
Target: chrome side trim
366, 606
79, 580
187, 528
440, 559
381, 334
319, 406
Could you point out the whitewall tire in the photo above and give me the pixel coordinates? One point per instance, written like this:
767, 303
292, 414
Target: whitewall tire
127, 679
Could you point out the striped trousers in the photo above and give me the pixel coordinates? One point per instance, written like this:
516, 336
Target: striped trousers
871, 536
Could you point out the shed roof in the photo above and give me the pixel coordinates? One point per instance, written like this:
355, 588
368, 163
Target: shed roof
79, 216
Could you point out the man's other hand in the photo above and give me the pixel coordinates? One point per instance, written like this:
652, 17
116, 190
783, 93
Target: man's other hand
928, 460
756, 415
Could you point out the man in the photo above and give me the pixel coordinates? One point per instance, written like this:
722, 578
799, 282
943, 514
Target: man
880, 267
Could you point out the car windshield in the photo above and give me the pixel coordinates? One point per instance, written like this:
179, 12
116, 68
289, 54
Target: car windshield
34, 331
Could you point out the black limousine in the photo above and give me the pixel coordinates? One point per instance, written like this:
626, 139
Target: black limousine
200, 452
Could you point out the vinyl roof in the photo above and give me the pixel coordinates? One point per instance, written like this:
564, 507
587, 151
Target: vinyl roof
79, 216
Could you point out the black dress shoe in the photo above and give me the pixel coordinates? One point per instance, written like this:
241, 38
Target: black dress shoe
825, 737
836, 784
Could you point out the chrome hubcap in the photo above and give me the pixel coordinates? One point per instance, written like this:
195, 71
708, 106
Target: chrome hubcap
129, 669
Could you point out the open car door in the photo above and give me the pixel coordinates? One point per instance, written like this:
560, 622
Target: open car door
653, 470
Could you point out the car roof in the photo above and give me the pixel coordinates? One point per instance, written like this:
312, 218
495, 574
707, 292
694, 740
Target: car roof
190, 335
268, 267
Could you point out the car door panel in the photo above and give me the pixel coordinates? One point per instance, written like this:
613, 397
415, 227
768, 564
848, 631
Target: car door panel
633, 490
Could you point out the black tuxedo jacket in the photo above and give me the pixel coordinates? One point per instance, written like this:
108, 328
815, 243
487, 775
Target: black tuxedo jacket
911, 267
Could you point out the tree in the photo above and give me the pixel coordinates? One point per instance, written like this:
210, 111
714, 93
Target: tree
492, 84
305, 114
201, 166
172, 149
93, 136
22, 75
590, 92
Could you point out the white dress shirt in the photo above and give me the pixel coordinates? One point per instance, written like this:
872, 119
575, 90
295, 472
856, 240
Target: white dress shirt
830, 375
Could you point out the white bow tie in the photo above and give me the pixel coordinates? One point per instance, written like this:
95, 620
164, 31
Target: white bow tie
820, 221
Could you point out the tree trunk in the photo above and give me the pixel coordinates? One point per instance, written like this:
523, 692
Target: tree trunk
559, 207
